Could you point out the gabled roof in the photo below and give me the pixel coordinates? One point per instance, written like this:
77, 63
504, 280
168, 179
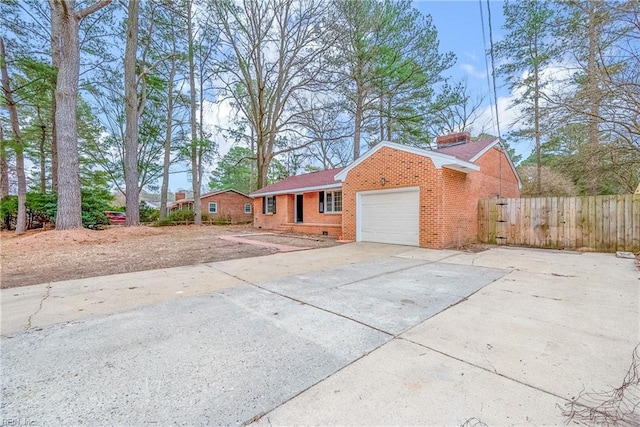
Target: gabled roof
438, 159
313, 181
211, 193
471, 151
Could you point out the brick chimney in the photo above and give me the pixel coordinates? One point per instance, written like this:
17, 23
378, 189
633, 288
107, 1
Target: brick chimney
180, 196
457, 138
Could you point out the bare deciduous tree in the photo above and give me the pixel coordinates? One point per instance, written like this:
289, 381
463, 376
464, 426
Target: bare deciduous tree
270, 60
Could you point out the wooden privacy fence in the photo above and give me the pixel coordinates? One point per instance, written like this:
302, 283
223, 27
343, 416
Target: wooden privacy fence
597, 223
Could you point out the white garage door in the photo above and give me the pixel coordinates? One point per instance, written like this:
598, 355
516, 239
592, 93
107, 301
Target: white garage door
389, 216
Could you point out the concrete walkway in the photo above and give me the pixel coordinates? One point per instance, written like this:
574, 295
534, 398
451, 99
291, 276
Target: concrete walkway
357, 334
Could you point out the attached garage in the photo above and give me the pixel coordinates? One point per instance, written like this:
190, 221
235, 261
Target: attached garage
389, 216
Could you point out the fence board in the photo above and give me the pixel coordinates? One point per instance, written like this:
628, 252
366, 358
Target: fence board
598, 223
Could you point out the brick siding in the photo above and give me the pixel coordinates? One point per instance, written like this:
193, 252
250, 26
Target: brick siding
230, 206
448, 199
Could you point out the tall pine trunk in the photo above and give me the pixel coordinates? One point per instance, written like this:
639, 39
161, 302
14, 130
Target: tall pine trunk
131, 116
21, 220
65, 21
4, 167
167, 141
195, 173
593, 173
536, 130
55, 63
69, 214
359, 113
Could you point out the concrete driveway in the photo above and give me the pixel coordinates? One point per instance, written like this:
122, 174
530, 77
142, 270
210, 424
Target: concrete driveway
356, 334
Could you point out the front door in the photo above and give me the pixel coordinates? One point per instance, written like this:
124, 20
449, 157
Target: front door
299, 208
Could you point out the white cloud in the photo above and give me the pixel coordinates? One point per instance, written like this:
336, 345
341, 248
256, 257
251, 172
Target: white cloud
218, 117
471, 70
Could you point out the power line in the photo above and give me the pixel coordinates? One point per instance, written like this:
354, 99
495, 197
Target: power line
493, 70
486, 60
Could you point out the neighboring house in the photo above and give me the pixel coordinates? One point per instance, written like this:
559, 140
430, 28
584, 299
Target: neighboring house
227, 204
395, 194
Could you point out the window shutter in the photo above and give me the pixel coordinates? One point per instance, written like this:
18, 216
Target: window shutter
274, 204
321, 204
264, 205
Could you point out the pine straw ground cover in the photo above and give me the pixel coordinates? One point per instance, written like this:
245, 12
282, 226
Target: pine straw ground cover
49, 256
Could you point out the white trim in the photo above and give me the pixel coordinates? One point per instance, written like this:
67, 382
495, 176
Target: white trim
250, 208
439, 160
297, 190
359, 195
503, 150
266, 207
214, 204
484, 150
333, 201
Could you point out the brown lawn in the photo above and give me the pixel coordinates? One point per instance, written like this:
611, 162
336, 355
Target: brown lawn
49, 256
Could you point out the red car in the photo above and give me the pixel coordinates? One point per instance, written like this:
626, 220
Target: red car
116, 218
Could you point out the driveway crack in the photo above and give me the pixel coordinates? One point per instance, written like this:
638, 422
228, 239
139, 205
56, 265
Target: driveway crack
42, 300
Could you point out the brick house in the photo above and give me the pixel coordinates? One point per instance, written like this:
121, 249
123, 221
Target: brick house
395, 194
228, 204
309, 204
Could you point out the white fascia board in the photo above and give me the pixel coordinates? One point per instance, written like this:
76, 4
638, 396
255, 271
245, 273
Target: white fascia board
506, 154
484, 150
439, 160
297, 190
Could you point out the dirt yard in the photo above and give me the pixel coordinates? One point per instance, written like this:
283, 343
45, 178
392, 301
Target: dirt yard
49, 256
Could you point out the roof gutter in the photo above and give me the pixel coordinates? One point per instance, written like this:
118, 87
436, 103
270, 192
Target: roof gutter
296, 190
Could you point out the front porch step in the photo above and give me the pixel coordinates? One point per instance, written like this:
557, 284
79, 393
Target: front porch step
284, 229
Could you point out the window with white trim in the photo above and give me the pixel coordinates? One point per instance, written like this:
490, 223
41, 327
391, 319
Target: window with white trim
247, 208
213, 207
333, 201
271, 205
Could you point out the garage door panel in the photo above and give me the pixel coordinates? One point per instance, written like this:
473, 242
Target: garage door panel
390, 217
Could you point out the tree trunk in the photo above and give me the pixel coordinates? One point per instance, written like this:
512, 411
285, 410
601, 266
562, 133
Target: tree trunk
42, 153
263, 160
389, 127
4, 167
131, 115
195, 174
358, 122
381, 118
593, 181
55, 63
69, 213
65, 21
21, 220
536, 129
167, 141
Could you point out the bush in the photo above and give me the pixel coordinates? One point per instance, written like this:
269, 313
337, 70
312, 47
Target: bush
182, 215
42, 207
148, 213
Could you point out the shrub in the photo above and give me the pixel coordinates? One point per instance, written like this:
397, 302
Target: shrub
182, 215
42, 207
148, 213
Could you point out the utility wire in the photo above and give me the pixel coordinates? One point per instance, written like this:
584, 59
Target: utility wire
486, 60
495, 91
493, 70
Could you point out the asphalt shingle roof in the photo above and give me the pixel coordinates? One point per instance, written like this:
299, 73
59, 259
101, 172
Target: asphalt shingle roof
467, 151
313, 179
